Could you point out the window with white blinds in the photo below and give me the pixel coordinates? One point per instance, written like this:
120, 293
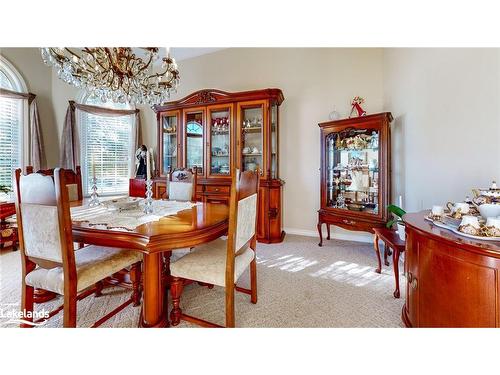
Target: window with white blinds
106, 143
11, 114
11, 127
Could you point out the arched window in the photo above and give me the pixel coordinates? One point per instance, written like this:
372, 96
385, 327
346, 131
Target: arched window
13, 123
107, 147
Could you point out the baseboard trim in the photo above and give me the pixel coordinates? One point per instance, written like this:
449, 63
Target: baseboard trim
355, 236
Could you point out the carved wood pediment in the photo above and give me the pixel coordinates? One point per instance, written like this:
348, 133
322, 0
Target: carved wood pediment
204, 97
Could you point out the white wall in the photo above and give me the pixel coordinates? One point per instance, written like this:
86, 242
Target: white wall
446, 134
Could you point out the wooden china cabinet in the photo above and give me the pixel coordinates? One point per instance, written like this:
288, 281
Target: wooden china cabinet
355, 173
214, 132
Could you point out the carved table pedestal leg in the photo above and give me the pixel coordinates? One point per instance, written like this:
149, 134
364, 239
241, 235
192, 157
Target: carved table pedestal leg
153, 313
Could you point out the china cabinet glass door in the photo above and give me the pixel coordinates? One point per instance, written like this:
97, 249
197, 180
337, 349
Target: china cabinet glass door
194, 129
170, 124
252, 142
353, 170
219, 154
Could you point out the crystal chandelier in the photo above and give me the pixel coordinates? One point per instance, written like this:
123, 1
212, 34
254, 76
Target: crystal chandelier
115, 74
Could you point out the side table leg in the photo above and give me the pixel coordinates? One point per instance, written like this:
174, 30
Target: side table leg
387, 252
395, 260
320, 235
377, 251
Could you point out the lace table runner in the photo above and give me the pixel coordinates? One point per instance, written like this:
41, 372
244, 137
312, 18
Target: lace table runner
110, 217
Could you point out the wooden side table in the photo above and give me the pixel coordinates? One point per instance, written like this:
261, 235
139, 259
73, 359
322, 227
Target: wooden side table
8, 209
391, 240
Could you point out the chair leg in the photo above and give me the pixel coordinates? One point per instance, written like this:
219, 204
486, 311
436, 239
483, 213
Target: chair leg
209, 286
69, 310
135, 278
27, 304
230, 307
99, 287
176, 291
253, 280
166, 268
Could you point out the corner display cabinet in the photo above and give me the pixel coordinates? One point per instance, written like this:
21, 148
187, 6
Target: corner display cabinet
214, 132
355, 173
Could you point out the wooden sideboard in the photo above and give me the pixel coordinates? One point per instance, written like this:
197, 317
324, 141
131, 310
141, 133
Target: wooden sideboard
215, 132
451, 280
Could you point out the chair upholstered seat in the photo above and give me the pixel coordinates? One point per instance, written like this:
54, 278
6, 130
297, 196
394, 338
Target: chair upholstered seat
93, 263
207, 263
179, 253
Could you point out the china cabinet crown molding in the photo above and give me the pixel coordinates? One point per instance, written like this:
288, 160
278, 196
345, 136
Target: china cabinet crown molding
237, 130
356, 209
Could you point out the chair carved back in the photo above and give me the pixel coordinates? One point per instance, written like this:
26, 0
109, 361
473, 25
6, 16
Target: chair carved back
44, 223
73, 179
242, 217
181, 185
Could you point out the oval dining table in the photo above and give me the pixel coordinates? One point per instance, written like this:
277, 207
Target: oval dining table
200, 224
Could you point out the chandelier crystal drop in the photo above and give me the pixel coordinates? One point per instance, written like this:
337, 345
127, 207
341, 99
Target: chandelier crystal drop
116, 74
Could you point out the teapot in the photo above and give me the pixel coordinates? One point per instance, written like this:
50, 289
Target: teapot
487, 201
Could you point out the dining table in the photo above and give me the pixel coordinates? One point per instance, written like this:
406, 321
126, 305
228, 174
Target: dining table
203, 222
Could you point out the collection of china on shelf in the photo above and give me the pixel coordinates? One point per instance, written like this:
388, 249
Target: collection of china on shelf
358, 165
220, 153
477, 218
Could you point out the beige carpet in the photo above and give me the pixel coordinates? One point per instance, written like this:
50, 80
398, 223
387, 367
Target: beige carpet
299, 285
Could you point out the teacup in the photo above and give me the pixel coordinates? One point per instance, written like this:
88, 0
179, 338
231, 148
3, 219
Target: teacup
255, 150
488, 210
455, 207
437, 211
493, 226
470, 225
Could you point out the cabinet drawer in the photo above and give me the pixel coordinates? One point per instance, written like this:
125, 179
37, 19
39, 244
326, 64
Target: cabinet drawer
217, 199
217, 189
348, 223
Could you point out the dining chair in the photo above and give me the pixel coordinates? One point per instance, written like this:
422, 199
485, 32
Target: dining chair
49, 261
222, 262
73, 179
181, 185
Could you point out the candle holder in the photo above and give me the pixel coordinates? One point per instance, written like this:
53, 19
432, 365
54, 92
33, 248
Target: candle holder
94, 197
148, 206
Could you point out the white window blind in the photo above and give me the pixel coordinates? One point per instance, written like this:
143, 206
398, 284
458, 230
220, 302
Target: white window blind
11, 115
106, 142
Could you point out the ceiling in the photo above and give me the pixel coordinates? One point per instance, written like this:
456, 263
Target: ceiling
180, 53
183, 53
